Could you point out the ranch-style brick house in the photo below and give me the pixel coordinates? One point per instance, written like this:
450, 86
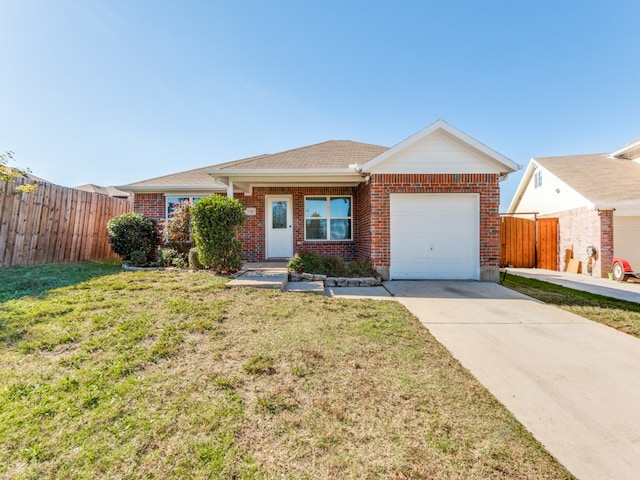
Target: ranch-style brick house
426, 208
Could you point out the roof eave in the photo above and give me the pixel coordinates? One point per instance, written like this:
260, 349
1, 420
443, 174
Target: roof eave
627, 148
524, 181
171, 188
282, 172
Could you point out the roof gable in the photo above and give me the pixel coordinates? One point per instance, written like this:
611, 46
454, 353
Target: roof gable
440, 148
604, 181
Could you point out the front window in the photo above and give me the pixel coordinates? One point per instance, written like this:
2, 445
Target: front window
327, 218
174, 202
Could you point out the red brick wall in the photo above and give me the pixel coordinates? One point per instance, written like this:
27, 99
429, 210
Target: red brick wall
253, 235
151, 205
583, 227
606, 242
486, 185
363, 222
371, 227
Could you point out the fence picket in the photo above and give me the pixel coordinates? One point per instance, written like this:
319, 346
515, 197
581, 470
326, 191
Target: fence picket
55, 224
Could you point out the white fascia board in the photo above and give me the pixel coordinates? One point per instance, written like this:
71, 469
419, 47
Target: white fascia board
524, 181
171, 188
627, 148
510, 165
302, 183
291, 177
282, 172
624, 208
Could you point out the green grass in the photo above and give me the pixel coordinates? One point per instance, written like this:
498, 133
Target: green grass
169, 374
619, 314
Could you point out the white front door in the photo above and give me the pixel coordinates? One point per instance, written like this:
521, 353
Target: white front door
279, 226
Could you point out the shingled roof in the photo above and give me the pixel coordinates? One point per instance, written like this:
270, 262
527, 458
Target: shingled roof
600, 178
333, 154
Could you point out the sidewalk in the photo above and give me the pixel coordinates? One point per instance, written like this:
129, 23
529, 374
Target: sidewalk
629, 290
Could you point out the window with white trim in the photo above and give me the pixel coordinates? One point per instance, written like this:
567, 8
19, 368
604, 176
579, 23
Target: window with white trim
174, 202
537, 181
328, 218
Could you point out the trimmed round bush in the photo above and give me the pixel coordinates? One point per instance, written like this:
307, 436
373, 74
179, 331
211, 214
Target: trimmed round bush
217, 221
132, 232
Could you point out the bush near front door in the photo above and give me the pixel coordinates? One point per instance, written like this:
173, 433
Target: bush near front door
217, 221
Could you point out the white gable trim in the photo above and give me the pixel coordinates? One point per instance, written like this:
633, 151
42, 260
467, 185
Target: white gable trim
526, 180
629, 148
522, 186
509, 165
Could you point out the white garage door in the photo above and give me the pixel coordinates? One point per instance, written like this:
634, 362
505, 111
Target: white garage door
626, 232
435, 236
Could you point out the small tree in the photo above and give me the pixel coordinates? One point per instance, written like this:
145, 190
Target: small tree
217, 221
177, 230
132, 236
9, 174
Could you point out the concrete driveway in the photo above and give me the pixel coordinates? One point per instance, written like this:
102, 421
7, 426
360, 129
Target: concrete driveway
573, 383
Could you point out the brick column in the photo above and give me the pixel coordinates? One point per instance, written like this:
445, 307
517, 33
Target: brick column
606, 241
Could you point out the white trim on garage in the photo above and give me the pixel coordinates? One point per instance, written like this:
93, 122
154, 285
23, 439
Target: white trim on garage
435, 236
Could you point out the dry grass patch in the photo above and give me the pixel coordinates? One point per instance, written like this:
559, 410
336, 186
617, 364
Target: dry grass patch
174, 375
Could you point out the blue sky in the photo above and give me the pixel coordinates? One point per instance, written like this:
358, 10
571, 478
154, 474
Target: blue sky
111, 92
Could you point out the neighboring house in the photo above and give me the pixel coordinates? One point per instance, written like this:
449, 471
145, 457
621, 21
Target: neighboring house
596, 199
109, 191
426, 208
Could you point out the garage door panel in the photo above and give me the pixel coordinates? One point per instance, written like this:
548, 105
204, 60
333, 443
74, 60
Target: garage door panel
626, 239
434, 236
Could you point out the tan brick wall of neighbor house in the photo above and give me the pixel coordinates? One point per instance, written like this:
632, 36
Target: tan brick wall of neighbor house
253, 235
580, 228
486, 185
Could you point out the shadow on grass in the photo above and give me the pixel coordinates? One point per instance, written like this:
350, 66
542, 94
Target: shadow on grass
35, 280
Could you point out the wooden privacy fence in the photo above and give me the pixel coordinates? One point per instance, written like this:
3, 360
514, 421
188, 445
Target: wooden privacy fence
55, 224
529, 243
517, 242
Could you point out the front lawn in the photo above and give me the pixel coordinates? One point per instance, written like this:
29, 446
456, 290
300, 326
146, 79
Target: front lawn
170, 374
619, 314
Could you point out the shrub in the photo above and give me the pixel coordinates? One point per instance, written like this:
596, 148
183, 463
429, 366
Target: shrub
166, 256
194, 260
333, 267
177, 231
132, 232
216, 224
138, 258
305, 262
310, 262
180, 261
359, 268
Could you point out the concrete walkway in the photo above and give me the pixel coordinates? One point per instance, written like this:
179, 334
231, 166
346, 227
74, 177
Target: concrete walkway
573, 383
629, 290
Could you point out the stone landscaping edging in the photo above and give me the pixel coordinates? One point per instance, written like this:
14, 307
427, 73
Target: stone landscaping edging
131, 268
336, 281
